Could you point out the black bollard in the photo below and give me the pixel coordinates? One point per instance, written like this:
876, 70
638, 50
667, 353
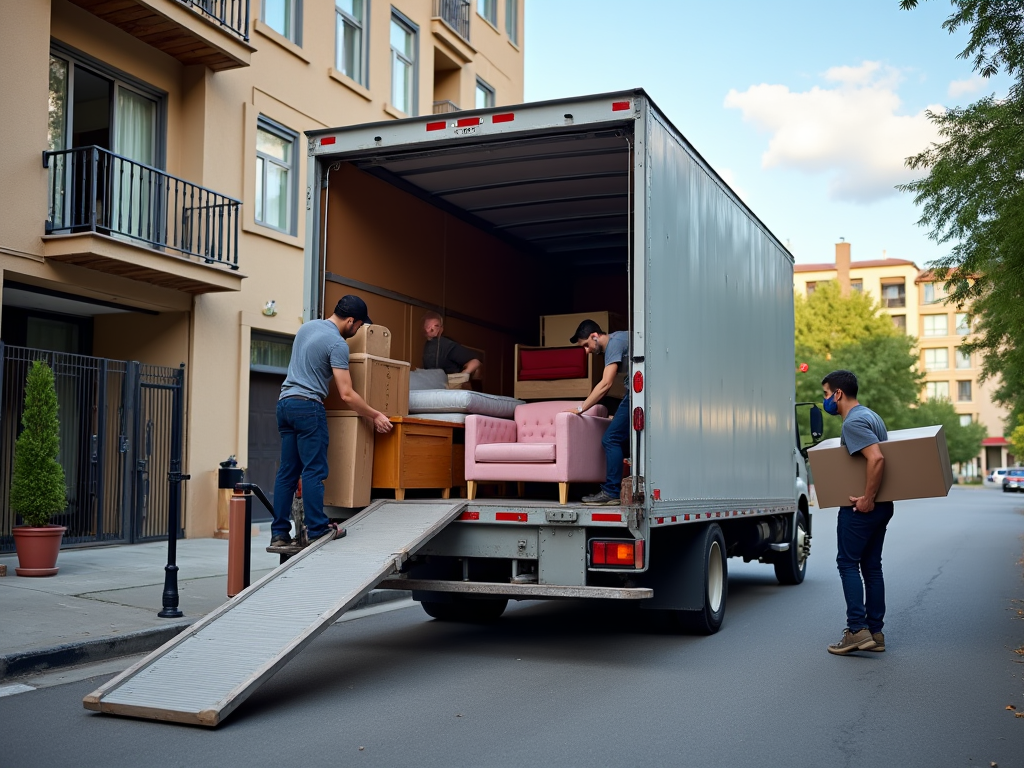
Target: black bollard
174, 478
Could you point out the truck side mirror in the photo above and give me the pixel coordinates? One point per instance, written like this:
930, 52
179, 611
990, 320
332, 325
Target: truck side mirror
817, 427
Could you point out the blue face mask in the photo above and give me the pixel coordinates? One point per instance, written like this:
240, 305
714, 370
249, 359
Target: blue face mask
830, 406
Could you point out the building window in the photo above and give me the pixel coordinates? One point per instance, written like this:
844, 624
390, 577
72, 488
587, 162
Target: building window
403, 65
512, 20
284, 17
276, 176
489, 10
351, 18
963, 391
966, 420
933, 293
857, 285
937, 390
900, 323
894, 294
963, 359
269, 353
484, 95
936, 325
936, 359
963, 325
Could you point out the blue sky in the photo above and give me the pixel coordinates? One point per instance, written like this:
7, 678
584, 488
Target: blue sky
806, 107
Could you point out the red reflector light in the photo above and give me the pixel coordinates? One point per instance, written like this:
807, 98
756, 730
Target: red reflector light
606, 517
506, 118
657, 494
463, 122
638, 419
511, 517
638, 382
327, 140
437, 126
619, 106
469, 516
638, 555
611, 552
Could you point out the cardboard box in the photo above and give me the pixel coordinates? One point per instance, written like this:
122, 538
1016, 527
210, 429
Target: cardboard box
371, 340
349, 460
916, 467
382, 383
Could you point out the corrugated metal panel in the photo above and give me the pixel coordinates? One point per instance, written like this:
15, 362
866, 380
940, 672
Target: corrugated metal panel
208, 670
719, 339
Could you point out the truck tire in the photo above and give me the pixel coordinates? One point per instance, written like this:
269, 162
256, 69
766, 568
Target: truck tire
466, 609
709, 619
791, 566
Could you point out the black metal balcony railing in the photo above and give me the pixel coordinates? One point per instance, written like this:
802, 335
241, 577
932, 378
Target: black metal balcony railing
232, 15
454, 13
444, 107
94, 190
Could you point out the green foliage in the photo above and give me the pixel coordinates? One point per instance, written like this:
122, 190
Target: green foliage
37, 485
827, 320
973, 195
1017, 438
963, 443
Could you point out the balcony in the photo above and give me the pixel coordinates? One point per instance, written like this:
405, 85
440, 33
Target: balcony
445, 106
450, 25
213, 33
114, 215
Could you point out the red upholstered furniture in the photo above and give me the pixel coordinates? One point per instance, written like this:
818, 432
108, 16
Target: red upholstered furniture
546, 373
552, 363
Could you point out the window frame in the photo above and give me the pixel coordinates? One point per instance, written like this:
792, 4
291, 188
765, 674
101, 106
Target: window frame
959, 355
512, 21
934, 354
296, 21
283, 132
960, 391
962, 319
364, 54
901, 294
934, 386
924, 326
969, 417
483, 4
489, 94
272, 338
397, 17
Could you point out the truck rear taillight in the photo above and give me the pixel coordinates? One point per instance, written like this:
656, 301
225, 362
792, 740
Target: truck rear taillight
638, 382
638, 419
617, 553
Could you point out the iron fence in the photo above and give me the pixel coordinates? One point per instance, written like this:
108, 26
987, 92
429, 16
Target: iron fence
94, 190
454, 13
231, 15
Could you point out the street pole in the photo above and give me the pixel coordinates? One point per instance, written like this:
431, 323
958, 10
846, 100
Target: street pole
174, 478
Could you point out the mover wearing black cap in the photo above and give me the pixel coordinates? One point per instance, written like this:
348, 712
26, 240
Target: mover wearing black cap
319, 354
615, 348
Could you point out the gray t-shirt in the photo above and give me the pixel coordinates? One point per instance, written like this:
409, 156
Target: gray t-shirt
617, 351
317, 349
862, 427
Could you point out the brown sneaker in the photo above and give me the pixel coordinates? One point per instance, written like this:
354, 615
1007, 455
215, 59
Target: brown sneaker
879, 639
861, 640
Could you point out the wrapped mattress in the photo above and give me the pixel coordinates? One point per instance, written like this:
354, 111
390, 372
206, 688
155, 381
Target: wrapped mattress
424, 401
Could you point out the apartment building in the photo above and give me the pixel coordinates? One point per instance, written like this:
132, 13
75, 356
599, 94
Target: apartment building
914, 298
152, 221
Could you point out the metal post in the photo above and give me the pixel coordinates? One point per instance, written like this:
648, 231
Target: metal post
174, 478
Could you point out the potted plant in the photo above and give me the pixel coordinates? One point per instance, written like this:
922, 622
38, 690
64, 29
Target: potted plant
37, 485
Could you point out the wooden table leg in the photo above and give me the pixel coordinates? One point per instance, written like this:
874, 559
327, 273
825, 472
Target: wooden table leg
446, 493
399, 494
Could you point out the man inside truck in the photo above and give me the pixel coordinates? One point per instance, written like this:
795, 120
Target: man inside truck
861, 526
439, 351
615, 347
319, 354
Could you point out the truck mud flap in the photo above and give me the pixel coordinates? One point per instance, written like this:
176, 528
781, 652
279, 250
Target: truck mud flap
676, 570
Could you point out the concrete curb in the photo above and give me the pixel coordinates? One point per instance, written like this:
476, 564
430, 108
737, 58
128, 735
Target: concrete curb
131, 643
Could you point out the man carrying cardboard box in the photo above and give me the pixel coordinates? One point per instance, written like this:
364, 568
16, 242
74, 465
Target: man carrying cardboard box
861, 526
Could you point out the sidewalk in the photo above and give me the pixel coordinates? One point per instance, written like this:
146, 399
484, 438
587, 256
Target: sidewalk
103, 602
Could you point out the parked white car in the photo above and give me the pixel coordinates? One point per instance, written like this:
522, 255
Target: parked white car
995, 476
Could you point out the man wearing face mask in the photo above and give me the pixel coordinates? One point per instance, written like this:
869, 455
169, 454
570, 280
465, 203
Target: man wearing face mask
862, 525
319, 353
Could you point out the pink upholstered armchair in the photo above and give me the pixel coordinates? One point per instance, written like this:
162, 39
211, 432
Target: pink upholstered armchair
542, 443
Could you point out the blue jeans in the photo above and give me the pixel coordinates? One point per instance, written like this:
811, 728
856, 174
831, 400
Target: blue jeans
860, 537
615, 442
303, 428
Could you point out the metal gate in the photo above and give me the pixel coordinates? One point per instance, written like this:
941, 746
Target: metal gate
117, 420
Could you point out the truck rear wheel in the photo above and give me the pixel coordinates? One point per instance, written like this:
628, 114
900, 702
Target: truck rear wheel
791, 566
709, 619
466, 609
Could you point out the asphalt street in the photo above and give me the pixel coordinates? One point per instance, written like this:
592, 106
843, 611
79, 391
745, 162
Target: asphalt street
578, 684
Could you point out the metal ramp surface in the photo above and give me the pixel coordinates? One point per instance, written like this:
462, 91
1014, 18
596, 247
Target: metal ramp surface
201, 675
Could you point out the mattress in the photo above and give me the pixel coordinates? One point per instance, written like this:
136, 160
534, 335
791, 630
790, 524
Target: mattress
461, 401
455, 418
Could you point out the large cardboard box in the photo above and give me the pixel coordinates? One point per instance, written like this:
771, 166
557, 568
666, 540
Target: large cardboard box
916, 467
382, 383
349, 460
556, 330
371, 340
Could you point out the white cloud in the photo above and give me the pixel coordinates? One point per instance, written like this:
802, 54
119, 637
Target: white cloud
852, 133
729, 177
967, 86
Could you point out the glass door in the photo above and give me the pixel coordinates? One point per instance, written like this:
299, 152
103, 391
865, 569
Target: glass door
138, 194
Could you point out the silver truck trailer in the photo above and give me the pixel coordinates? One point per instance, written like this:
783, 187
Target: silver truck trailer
551, 203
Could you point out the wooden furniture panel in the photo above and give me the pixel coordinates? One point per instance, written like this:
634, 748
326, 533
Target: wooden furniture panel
417, 453
566, 389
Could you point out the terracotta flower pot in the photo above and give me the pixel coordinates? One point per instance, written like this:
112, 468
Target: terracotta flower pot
37, 549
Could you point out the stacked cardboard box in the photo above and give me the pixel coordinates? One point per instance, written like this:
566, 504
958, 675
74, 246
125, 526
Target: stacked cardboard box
350, 460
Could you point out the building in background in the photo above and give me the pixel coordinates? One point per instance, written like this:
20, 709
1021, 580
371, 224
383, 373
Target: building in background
914, 298
153, 196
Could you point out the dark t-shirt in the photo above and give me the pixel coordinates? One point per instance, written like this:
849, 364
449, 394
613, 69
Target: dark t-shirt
446, 354
862, 427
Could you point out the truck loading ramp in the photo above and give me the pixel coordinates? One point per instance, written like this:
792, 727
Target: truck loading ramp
204, 673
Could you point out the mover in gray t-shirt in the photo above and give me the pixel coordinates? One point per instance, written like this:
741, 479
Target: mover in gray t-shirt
615, 347
861, 527
319, 354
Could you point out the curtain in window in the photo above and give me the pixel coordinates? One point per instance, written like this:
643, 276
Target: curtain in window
56, 137
136, 189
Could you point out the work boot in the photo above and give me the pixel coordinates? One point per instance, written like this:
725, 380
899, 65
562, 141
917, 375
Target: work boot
861, 640
879, 639
280, 540
601, 499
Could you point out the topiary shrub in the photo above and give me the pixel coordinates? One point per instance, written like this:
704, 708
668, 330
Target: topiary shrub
37, 485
